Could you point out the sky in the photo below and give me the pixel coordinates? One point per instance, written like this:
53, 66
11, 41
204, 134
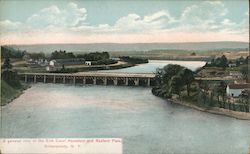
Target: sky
120, 21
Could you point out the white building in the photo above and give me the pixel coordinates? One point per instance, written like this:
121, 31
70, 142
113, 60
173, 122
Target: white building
234, 90
88, 63
232, 65
52, 63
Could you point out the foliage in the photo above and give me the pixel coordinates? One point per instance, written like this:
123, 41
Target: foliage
176, 84
244, 71
36, 55
6, 65
7, 92
94, 56
171, 79
11, 78
221, 90
134, 60
187, 78
241, 61
7, 51
219, 62
61, 55
170, 71
104, 62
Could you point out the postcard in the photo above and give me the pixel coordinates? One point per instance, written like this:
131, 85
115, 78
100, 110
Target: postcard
125, 77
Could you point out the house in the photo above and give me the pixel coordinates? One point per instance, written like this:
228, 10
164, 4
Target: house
52, 63
234, 90
70, 61
232, 65
88, 63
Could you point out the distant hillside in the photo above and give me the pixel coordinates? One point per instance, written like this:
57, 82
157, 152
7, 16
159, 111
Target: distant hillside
199, 46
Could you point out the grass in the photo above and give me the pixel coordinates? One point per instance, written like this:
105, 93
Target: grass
8, 93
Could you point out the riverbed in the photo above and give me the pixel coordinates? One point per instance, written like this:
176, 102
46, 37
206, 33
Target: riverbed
146, 123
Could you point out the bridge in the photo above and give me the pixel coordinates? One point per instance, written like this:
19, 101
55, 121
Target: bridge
95, 78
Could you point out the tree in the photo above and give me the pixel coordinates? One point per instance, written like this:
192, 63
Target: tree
223, 62
61, 55
176, 84
244, 96
37, 55
221, 91
204, 88
171, 70
6, 64
244, 71
188, 77
158, 76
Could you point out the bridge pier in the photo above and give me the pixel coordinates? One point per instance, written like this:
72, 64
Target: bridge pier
148, 83
136, 81
34, 78
64, 79
94, 81
84, 81
115, 81
105, 81
54, 79
44, 79
126, 81
25, 78
74, 80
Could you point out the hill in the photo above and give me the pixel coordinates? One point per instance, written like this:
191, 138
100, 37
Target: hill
197, 46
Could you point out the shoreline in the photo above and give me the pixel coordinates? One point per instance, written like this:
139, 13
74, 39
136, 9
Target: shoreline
26, 86
215, 110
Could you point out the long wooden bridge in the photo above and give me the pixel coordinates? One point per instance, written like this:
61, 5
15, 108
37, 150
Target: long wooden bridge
96, 78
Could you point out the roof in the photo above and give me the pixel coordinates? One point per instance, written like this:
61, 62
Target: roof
239, 86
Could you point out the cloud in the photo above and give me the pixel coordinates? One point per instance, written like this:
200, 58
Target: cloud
207, 18
9, 26
52, 16
204, 16
133, 23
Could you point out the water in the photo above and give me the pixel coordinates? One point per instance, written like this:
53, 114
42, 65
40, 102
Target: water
154, 64
147, 124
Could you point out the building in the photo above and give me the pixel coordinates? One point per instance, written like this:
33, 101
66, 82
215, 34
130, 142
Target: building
235, 90
65, 62
52, 63
232, 65
88, 63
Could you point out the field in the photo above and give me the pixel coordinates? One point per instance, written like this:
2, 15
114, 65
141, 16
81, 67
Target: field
182, 55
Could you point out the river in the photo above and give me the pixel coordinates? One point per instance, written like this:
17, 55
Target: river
146, 123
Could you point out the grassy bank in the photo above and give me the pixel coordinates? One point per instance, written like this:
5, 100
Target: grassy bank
93, 68
9, 93
213, 110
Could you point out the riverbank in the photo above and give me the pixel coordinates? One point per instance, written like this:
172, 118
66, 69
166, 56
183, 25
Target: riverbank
9, 93
214, 110
76, 68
